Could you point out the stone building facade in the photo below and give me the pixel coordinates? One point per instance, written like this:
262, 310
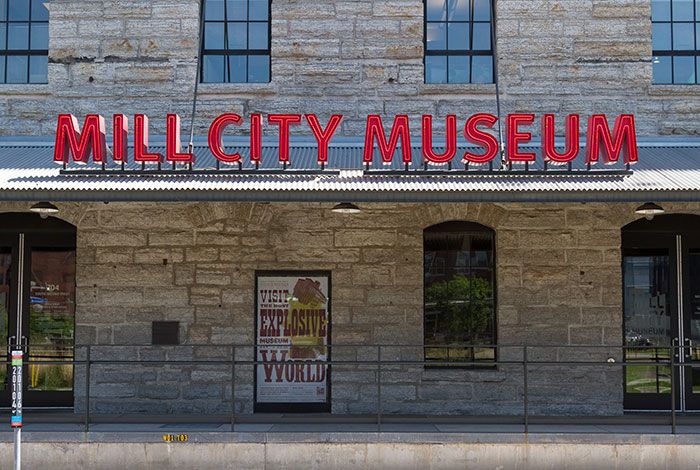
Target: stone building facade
350, 57
558, 280
558, 264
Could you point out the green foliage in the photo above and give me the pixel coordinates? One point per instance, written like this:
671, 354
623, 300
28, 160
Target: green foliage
46, 328
464, 308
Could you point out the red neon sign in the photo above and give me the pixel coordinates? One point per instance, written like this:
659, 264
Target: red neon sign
79, 145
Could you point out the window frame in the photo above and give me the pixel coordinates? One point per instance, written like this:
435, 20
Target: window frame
470, 52
467, 228
6, 52
227, 53
674, 53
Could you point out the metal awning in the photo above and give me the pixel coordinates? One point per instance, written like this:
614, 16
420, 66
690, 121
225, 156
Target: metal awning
668, 170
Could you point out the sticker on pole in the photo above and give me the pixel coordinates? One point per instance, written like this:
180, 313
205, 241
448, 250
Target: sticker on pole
16, 420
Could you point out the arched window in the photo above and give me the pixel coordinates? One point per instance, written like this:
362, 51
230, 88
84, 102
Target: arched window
459, 292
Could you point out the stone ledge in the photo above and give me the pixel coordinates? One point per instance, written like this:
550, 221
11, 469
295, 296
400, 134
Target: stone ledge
238, 89
675, 89
25, 89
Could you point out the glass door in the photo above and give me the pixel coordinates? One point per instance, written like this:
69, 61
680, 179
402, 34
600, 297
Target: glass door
691, 323
649, 303
661, 277
8, 329
49, 323
37, 306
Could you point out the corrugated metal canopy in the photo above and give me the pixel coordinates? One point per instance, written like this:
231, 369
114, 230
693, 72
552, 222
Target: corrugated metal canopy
667, 170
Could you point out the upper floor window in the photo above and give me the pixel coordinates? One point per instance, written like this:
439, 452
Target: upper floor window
675, 41
458, 46
24, 41
236, 46
459, 293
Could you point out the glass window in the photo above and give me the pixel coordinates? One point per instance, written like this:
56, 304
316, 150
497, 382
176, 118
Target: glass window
436, 69
675, 41
39, 38
24, 41
458, 45
18, 36
17, 69
238, 68
458, 69
258, 69
18, 10
213, 68
662, 69
459, 294
38, 68
236, 45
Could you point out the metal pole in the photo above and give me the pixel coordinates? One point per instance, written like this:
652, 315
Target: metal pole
673, 386
18, 448
233, 387
190, 146
525, 395
87, 389
379, 388
17, 400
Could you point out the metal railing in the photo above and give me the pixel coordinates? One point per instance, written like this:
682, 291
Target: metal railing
614, 359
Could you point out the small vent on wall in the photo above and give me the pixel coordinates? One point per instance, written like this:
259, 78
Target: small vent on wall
165, 332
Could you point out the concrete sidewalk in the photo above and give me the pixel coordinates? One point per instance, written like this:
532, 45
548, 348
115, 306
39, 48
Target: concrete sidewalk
340, 446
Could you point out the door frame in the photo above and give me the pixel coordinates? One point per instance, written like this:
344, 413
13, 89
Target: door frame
27, 231
641, 246
672, 232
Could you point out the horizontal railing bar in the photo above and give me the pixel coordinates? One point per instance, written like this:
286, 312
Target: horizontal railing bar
369, 345
436, 364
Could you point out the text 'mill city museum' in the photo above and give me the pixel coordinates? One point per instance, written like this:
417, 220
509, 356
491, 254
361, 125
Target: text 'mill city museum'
349, 208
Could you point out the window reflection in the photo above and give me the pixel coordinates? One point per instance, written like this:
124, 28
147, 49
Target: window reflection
236, 41
459, 313
675, 41
51, 319
647, 322
5, 266
24, 41
458, 41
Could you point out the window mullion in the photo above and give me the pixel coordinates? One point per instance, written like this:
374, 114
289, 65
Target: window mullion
471, 40
227, 66
29, 41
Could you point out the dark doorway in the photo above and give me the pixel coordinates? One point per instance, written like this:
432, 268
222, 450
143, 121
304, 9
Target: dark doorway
37, 305
661, 279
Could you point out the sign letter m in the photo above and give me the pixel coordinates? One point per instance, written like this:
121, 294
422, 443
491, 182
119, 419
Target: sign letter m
70, 140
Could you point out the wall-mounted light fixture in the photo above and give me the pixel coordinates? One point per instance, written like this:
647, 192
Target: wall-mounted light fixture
346, 208
44, 209
649, 210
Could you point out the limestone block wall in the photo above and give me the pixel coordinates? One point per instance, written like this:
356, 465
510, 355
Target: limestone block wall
558, 284
351, 57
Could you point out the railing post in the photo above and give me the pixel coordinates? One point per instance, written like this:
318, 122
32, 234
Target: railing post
673, 385
87, 389
379, 388
233, 387
525, 394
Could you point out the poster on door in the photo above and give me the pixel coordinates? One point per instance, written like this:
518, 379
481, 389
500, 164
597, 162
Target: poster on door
292, 323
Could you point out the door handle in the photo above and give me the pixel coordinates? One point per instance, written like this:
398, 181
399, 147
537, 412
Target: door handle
689, 355
10, 343
675, 348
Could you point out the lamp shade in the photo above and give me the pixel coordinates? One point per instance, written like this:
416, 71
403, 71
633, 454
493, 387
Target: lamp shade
649, 210
346, 208
44, 209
